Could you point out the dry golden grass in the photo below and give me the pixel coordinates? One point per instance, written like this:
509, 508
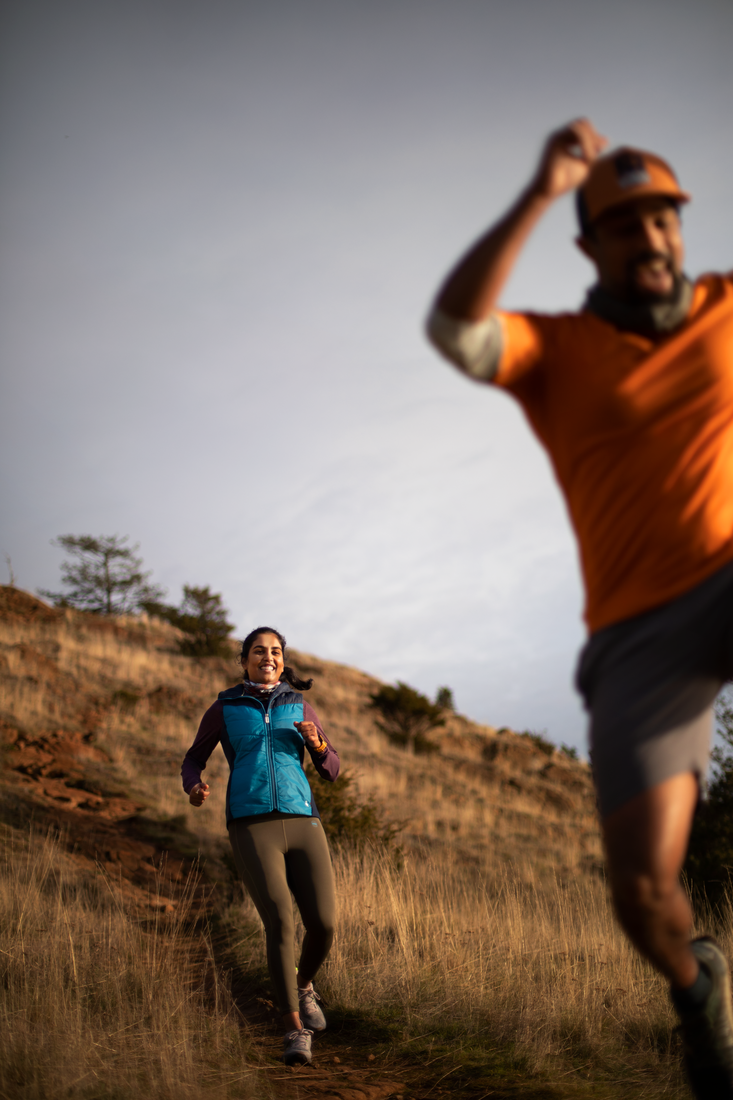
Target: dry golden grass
493, 937
95, 1004
462, 964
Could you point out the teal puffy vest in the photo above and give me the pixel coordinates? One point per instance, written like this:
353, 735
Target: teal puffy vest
265, 754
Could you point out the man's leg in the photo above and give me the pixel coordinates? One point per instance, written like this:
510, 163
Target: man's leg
646, 841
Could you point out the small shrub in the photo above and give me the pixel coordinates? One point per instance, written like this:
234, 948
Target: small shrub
539, 742
444, 698
569, 750
203, 619
126, 700
348, 819
407, 716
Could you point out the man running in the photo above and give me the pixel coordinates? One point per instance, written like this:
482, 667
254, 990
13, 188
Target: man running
633, 399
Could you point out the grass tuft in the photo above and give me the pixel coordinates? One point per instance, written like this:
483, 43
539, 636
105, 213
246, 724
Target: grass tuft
96, 1004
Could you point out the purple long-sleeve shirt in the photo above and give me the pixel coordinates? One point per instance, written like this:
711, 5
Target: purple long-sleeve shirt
327, 763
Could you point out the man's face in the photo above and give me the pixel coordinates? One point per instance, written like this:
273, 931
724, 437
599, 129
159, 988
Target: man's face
638, 250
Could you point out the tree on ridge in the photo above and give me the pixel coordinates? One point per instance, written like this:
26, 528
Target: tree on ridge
444, 698
103, 575
203, 619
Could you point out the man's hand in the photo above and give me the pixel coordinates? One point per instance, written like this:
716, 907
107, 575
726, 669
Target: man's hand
471, 291
567, 158
198, 794
309, 732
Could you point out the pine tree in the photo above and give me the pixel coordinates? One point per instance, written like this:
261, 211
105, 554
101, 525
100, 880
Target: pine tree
102, 576
203, 619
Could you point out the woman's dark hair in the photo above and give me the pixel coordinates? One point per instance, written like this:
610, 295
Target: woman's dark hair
288, 674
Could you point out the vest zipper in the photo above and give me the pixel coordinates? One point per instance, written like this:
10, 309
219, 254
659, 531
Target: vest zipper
271, 755
268, 743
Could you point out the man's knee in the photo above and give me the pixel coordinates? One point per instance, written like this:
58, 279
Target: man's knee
645, 844
639, 896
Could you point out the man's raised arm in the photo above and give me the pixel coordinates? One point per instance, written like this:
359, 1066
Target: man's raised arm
461, 324
472, 289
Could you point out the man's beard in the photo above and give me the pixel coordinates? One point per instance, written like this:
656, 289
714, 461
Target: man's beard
638, 296
651, 316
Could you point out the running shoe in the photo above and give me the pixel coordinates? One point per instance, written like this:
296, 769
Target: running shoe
297, 1045
707, 1032
311, 1015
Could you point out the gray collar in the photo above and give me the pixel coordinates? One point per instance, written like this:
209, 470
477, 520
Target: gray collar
652, 320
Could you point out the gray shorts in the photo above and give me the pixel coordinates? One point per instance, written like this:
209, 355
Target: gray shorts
649, 684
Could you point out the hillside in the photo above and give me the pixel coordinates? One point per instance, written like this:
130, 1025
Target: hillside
85, 697
486, 950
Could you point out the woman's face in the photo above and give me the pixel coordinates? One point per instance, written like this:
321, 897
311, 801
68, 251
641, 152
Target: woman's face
265, 661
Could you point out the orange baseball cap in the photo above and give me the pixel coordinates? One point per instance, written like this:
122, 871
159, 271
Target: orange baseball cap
622, 175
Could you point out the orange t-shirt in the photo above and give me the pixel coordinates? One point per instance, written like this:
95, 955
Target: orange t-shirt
640, 435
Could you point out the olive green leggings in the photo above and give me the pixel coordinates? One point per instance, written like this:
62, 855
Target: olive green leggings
276, 855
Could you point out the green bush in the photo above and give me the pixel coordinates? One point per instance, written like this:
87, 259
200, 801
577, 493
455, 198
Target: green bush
569, 750
539, 742
348, 819
407, 716
444, 698
203, 619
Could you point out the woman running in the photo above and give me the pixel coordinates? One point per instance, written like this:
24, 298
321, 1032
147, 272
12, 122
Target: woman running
274, 827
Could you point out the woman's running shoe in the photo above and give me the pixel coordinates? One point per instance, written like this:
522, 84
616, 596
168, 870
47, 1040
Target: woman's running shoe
297, 1045
311, 1015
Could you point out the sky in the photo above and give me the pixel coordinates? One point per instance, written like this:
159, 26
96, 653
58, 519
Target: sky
221, 227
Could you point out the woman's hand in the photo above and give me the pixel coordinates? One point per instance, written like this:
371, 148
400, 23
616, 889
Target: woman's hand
198, 794
309, 732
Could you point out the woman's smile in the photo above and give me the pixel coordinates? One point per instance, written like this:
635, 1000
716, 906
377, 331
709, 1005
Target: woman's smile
264, 663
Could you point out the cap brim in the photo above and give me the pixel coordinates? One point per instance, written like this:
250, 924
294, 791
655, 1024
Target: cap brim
653, 193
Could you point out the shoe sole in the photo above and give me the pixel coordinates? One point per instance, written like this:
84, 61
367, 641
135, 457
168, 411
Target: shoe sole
712, 1081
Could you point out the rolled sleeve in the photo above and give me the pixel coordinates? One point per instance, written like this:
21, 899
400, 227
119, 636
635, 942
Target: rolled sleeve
473, 346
